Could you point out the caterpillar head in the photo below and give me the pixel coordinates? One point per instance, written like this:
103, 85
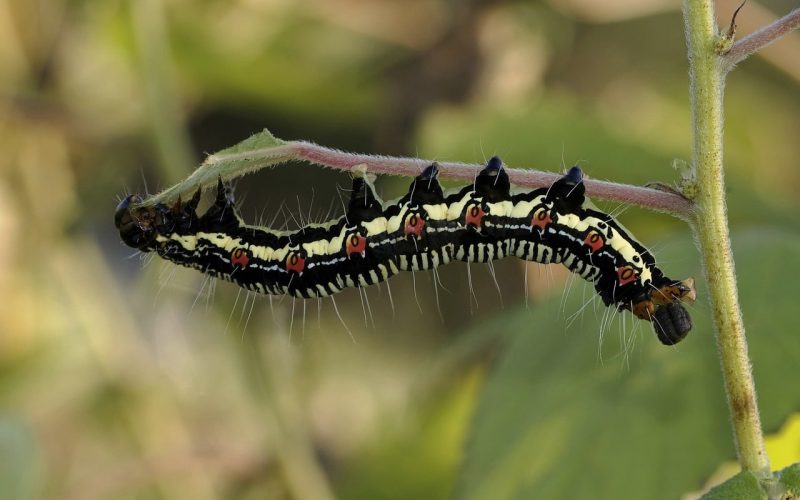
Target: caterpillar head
138, 226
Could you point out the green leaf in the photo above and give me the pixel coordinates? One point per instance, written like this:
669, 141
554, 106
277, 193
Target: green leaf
555, 421
254, 153
261, 140
790, 479
742, 486
745, 486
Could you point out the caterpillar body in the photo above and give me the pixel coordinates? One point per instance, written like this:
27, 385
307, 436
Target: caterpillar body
423, 230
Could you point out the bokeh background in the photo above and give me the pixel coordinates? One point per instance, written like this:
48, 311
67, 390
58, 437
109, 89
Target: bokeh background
123, 377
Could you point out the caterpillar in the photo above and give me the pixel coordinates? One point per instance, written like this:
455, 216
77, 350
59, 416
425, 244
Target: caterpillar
424, 229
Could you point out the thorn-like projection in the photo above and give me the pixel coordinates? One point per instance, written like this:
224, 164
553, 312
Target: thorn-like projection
364, 203
732, 28
221, 215
186, 215
430, 172
224, 195
492, 182
494, 163
574, 175
195, 200
569, 190
426, 188
725, 42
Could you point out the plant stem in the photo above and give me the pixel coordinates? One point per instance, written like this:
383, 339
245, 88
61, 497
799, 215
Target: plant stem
233, 165
711, 228
662, 201
754, 42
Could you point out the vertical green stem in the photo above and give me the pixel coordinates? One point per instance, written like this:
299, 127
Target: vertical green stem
166, 122
711, 227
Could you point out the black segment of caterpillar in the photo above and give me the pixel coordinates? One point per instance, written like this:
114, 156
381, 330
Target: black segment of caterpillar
423, 230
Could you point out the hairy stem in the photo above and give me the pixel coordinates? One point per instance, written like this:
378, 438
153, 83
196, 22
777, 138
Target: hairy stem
711, 227
662, 201
754, 42
232, 165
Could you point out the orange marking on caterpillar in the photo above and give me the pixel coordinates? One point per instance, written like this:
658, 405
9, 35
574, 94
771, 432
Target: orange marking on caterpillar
356, 244
239, 257
625, 275
594, 241
474, 216
295, 263
414, 225
541, 219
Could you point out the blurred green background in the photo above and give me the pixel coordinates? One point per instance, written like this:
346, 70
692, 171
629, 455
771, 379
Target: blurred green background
124, 377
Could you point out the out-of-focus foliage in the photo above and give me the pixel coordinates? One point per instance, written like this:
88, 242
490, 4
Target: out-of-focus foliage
122, 377
18, 461
656, 438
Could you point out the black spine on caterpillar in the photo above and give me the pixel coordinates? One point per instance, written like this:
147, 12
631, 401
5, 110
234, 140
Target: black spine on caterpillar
424, 229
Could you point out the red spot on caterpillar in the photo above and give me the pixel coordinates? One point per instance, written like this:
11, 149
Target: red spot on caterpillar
626, 275
356, 244
240, 258
414, 225
295, 262
474, 216
541, 219
594, 241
